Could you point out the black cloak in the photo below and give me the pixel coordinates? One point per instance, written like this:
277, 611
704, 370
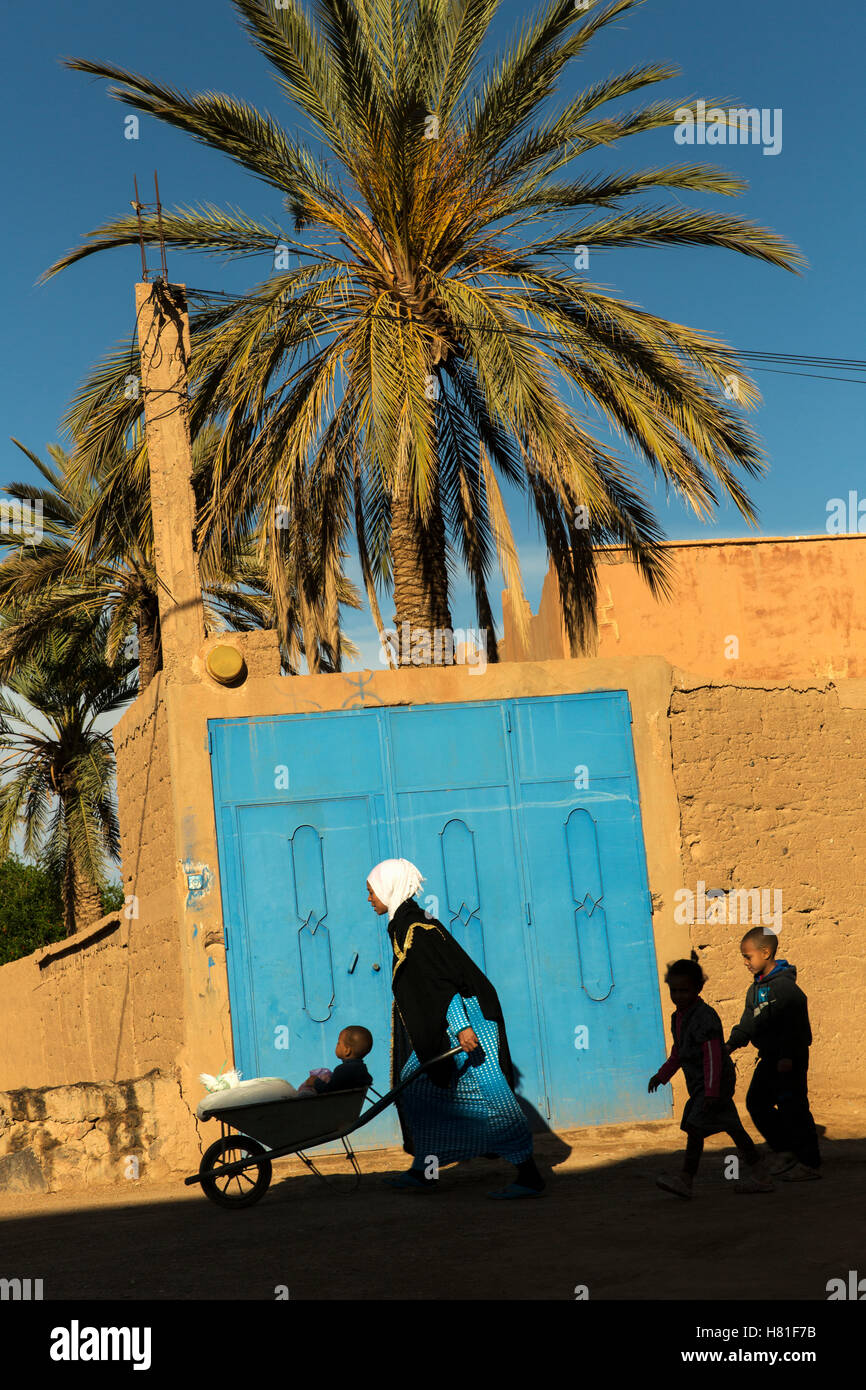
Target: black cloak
435, 969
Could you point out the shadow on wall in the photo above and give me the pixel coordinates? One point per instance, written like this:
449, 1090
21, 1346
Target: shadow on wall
556, 1149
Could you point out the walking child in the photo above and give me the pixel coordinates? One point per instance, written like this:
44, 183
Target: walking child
711, 1079
776, 1021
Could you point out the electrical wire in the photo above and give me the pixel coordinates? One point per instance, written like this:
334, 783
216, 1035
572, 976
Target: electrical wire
757, 360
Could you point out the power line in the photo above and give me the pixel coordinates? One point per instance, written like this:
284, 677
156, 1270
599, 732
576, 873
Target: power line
757, 359
792, 356
816, 376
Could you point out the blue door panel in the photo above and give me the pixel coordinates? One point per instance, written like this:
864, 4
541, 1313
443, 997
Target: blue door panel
464, 840
455, 820
601, 1017
555, 736
276, 759
307, 955
448, 746
319, 957
237, 944
597, 969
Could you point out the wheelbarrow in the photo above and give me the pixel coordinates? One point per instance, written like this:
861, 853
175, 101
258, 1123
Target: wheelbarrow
271, 1123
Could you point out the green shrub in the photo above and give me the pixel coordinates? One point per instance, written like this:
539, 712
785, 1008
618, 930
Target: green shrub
31, 909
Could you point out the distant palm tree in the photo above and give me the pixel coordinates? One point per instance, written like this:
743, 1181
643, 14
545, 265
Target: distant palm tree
77, 570
57, 769
427, 342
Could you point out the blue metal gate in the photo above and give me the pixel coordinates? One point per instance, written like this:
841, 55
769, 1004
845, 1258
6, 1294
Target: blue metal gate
523, 815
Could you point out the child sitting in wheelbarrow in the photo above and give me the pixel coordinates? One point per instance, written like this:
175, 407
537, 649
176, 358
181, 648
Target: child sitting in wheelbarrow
353, 1045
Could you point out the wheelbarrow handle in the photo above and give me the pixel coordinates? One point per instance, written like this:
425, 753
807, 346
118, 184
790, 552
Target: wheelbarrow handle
386, 1100
433, 1060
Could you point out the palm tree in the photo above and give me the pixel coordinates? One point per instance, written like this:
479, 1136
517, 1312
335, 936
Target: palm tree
56, 768
76, 571
39, 579
427, 344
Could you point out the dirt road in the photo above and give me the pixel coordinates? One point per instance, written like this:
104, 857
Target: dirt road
602, 1223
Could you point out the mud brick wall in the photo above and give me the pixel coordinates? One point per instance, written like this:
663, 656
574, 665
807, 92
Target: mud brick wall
106, 1002
63, 1013
770, 784
149, 867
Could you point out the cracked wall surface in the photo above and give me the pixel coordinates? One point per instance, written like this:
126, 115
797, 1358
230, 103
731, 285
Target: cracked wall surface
102, 1005
52, 1138
148, 857
770, 784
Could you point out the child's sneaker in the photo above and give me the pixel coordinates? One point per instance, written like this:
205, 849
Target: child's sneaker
780, 1163
673, 1184
754, 1182
800, 1173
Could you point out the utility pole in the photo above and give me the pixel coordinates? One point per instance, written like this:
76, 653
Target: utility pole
164, 340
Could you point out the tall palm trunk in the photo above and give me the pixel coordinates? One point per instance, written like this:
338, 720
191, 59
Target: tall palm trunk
149, 640
309, 628
420, 580
68, 894
82, 900
88, 900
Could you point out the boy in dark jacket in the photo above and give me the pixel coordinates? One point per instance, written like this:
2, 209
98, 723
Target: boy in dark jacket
776, 1021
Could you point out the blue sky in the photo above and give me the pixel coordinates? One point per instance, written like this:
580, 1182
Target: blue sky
68, 168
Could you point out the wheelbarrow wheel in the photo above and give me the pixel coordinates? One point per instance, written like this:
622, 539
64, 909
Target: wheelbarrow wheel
237, 1189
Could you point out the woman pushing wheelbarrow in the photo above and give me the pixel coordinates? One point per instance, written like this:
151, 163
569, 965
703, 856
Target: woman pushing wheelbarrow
445, 1008
461, 1107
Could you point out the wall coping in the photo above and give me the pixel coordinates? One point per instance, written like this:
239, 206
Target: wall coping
744, 540
590, 672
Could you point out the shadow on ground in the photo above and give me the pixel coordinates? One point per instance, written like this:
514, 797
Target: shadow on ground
602, 1223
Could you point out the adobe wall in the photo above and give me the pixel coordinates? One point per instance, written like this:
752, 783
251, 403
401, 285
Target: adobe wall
58, 1137
768, 744
770, 783
90, 1026
741, 610
105, 1003
148, 865
62, 1009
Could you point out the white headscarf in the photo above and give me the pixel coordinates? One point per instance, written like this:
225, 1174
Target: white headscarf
393, 881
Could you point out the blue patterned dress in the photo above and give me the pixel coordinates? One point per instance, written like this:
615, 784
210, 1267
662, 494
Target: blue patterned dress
481, 1115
